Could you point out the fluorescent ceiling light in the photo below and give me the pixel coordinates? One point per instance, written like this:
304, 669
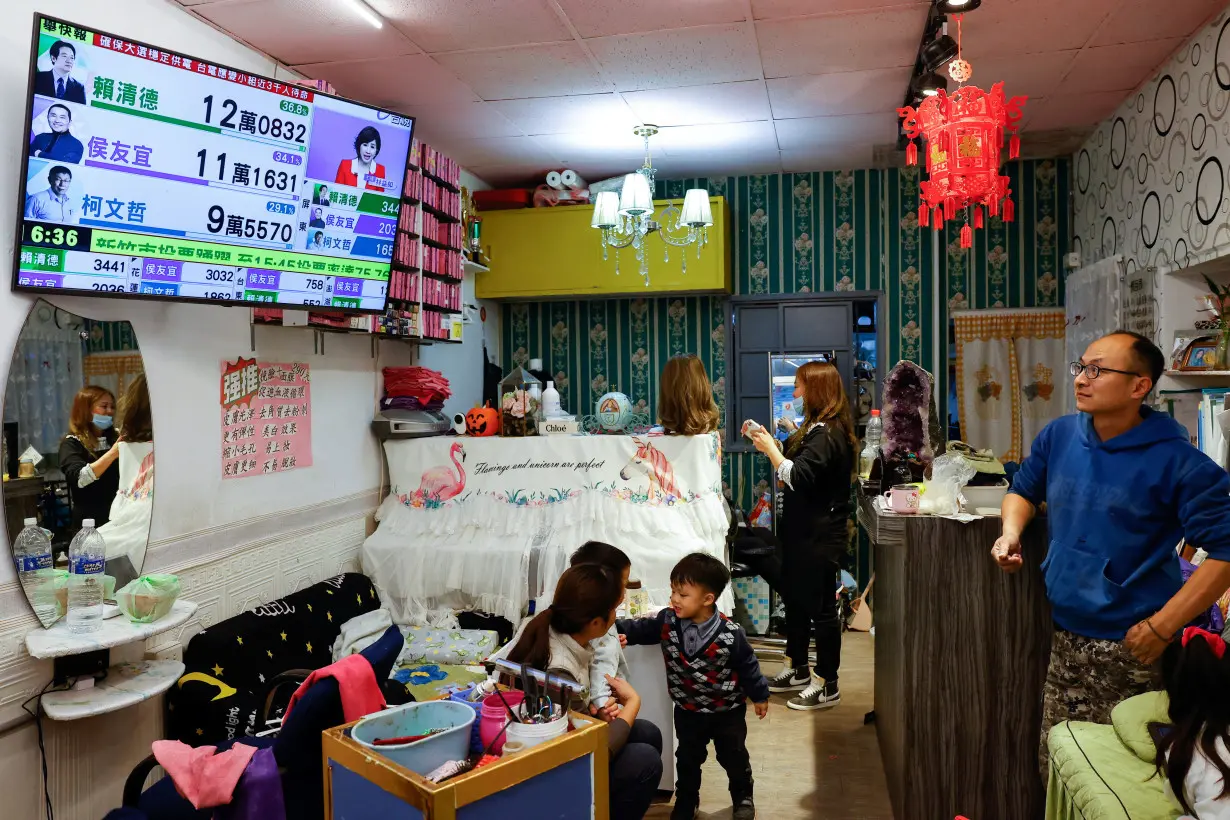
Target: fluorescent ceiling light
365, 11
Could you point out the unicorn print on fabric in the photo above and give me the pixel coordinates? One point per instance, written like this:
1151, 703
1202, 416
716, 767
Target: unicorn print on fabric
649, 460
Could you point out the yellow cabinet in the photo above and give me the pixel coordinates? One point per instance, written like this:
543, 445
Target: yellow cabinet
554, 253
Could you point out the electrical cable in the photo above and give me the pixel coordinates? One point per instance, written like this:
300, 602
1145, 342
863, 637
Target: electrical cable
37, 714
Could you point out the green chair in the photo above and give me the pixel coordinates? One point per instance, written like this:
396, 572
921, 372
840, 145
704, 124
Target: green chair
1100, 772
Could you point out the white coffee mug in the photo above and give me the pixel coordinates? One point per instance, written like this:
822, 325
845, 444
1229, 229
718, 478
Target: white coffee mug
903, 499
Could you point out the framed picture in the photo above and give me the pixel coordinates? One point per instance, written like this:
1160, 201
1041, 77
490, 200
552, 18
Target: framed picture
1183, 342
1201, 354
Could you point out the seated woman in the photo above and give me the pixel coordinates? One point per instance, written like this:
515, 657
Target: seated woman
685, 398
127, 533
558, 640
87, 454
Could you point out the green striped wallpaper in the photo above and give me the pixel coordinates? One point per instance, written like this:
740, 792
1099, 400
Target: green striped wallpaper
799, 233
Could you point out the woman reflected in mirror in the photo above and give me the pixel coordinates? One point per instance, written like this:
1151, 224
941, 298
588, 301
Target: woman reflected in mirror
127, 533
87, 456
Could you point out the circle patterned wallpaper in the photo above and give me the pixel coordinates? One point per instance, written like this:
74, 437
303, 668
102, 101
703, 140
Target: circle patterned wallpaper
1151, 182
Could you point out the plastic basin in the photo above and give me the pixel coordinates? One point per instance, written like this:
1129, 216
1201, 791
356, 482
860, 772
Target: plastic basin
421, 756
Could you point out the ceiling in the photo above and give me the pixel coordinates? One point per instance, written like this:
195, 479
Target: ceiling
511, 88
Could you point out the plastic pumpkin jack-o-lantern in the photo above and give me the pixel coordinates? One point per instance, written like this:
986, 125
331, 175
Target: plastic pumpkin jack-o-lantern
482, 421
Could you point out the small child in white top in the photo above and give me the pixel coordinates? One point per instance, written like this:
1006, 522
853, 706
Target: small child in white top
608, 650
1193, 752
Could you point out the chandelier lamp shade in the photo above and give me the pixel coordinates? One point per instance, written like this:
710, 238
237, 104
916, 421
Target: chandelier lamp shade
963, 137
626, 218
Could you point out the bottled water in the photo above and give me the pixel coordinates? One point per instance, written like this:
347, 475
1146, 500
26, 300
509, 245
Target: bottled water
86, 557
871, 445
32, 553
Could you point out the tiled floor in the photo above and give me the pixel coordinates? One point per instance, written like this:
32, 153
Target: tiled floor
811, 764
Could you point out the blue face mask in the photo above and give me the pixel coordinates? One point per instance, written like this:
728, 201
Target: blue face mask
102, 422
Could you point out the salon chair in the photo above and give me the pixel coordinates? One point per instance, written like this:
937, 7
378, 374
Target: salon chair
749, 550
296, 747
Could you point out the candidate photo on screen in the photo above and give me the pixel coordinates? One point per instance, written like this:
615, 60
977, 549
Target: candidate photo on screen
52, 137
321, 195
318, 217
356, 170
54, 203
58, 81
316, 240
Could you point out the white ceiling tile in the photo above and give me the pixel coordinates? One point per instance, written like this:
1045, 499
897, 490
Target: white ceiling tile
480, 152
560, 115
1138, 20
732, 137
462, 121
306, 31
1118, 67
870, 129
707, 164
552, 70
665, 59
511, 175
768, 9
1032, 75
702, 104
850, 92
851, 42
837, 156
454, 25
573, 150
1030, 26
1069, 110
602, 19
394, 82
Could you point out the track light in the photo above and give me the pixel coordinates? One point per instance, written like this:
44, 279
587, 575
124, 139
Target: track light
938, 52
928, 85
956, 6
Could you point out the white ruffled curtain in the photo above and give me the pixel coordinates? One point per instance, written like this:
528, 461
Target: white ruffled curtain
45, 376
1011, 372
1093, 309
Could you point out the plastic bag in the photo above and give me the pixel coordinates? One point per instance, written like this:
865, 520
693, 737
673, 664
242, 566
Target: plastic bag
942, 492
762, 513
148, 598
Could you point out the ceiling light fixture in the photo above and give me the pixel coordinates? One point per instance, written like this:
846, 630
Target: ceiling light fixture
365, 11
928, 85
626, 218
957, 6
939, 51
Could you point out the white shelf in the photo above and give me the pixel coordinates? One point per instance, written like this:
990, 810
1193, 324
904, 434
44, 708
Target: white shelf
58, 641
473, 267
126, 684
1199, 374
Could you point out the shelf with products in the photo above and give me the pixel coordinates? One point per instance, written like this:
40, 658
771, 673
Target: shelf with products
443, 216
443, 183
431, 243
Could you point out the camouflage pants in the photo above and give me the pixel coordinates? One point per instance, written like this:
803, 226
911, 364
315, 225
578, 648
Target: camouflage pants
1087, 678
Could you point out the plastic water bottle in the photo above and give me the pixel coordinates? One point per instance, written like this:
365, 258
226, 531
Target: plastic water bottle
32, 553
86, 557
871, 445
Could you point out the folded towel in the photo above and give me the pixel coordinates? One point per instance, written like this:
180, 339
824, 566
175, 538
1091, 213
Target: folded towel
205, 779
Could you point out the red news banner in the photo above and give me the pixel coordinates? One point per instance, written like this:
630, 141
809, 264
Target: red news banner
266, 417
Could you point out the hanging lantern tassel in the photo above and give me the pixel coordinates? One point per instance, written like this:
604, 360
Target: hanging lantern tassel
939, 217
978, 218
924, 215
1009, 210
911, 153
967, 236
1014, 147
993, 206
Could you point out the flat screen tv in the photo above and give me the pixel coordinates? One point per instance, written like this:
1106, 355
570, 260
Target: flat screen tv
150, 174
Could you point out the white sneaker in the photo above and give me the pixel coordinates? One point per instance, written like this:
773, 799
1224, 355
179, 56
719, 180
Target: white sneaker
820, 695
789, 680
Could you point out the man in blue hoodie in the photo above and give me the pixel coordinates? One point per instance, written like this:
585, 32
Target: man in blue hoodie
1122, 486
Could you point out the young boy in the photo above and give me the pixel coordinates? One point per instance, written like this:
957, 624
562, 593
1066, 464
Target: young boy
608, 651
710, 669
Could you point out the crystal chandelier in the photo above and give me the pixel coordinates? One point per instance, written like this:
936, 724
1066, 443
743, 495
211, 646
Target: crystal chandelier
627, 219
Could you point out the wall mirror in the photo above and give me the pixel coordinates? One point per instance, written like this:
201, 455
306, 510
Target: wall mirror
77, 444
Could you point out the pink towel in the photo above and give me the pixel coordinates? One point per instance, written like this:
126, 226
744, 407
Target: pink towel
356, 681
205, 779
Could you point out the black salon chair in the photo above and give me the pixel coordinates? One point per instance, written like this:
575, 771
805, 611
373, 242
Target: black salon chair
752, 551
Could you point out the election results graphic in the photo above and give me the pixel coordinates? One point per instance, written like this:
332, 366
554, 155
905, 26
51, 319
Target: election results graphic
151, 174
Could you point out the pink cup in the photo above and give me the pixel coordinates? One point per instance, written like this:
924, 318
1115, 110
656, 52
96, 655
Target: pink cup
903, 499
495, 717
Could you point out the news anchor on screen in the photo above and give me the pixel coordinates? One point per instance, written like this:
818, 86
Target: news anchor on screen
57, 144
59, 82
54, 204
352, 172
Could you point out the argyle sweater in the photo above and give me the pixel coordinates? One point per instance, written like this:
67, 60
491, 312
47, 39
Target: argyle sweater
717, 678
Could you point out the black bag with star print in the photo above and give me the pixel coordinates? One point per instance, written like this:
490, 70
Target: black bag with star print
227, 667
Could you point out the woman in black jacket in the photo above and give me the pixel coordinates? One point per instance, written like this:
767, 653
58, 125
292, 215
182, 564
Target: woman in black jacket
815, 472
88, 454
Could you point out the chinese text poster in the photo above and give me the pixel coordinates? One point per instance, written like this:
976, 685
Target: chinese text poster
266, 417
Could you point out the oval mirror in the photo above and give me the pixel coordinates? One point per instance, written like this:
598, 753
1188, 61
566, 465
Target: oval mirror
77, 445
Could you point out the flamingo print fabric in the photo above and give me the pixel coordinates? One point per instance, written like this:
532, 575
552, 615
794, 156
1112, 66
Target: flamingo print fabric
489, 523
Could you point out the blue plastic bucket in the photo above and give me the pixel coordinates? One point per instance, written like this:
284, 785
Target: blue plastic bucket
421, 756
476, 743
